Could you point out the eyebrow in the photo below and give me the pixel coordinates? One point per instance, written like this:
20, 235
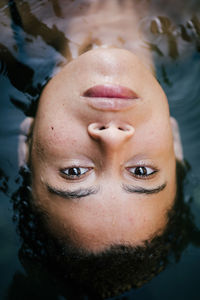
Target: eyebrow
76, 194
84, 192
140, 190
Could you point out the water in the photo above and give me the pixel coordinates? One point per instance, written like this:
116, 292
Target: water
31, 58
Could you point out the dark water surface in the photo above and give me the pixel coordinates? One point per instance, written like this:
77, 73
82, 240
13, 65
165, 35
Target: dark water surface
26, 57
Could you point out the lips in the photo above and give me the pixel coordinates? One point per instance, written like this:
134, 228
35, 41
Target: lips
110, 97
110, 91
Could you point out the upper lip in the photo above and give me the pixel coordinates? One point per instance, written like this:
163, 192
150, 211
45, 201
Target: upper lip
110, 97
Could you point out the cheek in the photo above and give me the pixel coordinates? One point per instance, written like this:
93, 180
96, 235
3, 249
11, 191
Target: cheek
56, 138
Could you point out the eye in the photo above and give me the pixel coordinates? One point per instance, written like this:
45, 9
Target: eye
74, 172
141, 171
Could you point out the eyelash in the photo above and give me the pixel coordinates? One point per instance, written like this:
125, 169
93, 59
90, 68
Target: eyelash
142, 169
85, 170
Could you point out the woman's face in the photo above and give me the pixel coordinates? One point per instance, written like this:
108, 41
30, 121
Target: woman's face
102, 154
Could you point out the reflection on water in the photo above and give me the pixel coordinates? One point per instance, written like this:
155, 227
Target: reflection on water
32, 47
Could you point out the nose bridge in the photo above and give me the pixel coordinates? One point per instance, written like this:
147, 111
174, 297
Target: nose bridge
112, 134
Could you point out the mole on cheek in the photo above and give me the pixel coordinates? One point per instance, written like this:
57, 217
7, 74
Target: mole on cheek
52, 128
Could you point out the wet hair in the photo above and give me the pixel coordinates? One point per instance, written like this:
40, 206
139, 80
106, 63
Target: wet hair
109, 272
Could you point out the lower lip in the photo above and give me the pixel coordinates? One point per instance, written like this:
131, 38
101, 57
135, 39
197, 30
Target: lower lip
110, 97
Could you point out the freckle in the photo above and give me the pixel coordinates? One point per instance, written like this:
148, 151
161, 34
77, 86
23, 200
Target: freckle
52, 127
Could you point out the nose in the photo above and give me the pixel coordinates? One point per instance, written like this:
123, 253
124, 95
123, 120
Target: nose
112, 135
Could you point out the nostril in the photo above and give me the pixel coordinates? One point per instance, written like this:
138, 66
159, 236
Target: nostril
123, 128
102, 128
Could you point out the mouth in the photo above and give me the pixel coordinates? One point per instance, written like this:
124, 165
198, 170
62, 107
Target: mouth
110, 91
110, 97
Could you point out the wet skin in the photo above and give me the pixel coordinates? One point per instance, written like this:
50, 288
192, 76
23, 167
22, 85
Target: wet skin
104, 174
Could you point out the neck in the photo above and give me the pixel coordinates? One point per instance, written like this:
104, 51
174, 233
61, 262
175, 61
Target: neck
99, 23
